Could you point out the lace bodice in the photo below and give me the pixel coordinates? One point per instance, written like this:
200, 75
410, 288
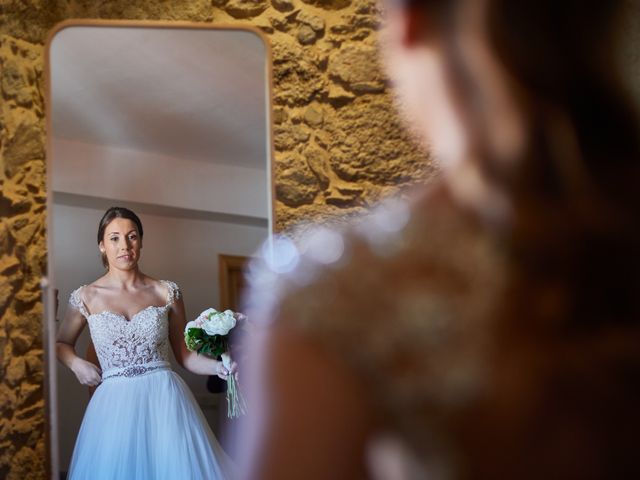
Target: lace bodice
405, 301
129, 347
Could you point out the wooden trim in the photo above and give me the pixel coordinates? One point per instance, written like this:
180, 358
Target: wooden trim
155, 24
230, 269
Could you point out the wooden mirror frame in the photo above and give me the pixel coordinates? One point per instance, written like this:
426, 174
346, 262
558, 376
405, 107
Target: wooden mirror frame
48, 282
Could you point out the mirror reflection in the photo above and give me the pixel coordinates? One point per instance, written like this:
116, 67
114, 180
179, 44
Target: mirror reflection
170, 124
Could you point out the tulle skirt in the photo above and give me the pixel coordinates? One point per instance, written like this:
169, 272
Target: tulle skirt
147, 427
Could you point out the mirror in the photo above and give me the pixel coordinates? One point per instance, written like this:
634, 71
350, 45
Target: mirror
173, 122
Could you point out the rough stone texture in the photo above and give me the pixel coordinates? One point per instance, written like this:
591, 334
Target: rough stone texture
355, 66
329, 4
22, 254
245, 8
338, 149
306, 35
316, 23
282, 5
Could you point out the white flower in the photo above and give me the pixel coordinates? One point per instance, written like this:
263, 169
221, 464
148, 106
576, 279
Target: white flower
218, 323
197, 323
226, 360
206, 314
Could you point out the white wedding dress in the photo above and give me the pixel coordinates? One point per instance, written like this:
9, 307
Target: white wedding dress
143, 422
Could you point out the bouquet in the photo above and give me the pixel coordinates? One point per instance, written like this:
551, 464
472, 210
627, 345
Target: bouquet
209, 334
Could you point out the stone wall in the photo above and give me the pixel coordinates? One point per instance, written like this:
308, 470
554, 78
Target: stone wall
339, 148
22, 259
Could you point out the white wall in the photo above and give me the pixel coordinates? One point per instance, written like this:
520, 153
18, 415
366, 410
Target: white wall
175, 248
137, 176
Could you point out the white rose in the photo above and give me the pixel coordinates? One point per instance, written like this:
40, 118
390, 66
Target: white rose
220, 323
191, 324
206, 314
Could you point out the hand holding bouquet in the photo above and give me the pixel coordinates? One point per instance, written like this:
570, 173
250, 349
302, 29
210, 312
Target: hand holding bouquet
209, 334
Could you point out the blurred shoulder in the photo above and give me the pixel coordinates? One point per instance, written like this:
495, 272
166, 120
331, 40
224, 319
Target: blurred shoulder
413, 286
328, 276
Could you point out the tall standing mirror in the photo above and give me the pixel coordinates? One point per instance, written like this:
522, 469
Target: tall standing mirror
172, 122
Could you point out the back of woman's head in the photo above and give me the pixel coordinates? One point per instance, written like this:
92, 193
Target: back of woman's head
577, 175
561, 53
570, 322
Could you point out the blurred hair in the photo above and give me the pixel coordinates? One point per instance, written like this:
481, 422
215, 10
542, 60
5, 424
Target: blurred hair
571, 316
578, 177
109, 215
560, 53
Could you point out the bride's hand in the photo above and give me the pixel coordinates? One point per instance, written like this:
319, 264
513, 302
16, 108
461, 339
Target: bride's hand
222, 371
87, 373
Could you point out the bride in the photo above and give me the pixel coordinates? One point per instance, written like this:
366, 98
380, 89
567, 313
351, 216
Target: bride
142, 422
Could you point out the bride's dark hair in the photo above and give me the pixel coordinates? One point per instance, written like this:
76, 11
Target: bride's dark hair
569, 324
109, 215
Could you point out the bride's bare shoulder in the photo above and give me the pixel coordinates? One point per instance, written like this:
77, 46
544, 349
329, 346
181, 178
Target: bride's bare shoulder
92, 290
160, 287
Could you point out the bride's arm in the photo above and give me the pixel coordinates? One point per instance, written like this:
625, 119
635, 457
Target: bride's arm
199, 364
92, 356
70, 329
311, 417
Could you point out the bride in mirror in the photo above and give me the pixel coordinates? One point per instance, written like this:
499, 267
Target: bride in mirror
133, 319
170, 121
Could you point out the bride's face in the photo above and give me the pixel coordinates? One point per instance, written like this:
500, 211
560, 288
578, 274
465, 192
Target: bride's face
121, 244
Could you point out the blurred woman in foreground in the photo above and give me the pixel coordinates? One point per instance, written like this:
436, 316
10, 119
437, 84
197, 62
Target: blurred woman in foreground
490, 328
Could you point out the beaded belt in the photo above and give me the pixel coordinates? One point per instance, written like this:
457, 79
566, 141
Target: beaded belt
136, 370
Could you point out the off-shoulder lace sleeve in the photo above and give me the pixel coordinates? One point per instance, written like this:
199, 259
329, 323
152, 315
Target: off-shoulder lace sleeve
404, 301
173, 293
75, 300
